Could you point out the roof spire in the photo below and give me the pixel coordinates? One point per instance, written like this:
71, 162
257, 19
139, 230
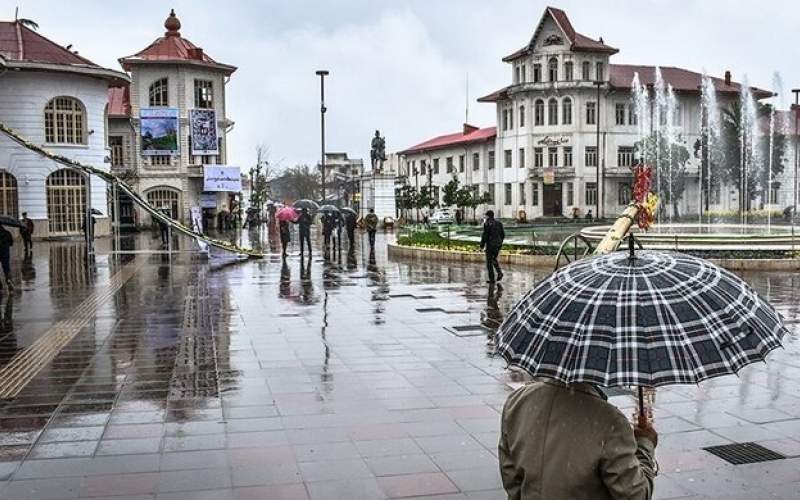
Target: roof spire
173, 24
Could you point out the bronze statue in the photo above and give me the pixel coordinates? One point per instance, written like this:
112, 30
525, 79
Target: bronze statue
378, 152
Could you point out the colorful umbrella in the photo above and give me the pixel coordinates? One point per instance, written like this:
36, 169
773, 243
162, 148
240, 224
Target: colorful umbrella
286, 214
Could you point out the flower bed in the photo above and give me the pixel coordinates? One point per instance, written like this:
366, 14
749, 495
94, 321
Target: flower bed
432, 239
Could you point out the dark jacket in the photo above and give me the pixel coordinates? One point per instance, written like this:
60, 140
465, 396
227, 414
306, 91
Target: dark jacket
493, 234
327, 224
304, 221
27, 227
6, 241
350, 222
371, 221
284, 230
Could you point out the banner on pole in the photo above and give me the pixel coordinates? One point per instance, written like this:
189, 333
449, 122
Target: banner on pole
222, 178
203, 127
159, 129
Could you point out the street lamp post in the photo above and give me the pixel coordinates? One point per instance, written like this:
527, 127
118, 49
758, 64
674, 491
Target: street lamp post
322, 74
796, 109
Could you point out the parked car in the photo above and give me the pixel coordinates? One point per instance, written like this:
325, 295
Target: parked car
442, 216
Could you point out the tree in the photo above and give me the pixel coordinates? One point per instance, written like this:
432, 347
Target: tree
300, 182
670, 168
426, 198
29, 23
406, 198
260, 175
450, 192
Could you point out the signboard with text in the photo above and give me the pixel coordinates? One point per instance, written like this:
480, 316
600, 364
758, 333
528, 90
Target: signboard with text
222, 178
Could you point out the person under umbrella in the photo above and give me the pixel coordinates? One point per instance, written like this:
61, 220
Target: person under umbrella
6, 242
304, 222
26, 231
286, 236
492, 240
641, 319
371, 221
350, 227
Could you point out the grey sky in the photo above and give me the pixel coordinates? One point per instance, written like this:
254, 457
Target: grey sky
401, 66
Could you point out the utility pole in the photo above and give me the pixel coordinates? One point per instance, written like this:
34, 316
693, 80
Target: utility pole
322, 74
600, 173
796, 109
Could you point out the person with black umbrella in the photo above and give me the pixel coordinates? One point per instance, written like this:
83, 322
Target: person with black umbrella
304, 222
350, 227
26, 231
6, 242
492, 240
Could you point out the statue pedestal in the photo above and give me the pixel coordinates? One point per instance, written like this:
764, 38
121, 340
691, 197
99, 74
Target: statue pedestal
378, 193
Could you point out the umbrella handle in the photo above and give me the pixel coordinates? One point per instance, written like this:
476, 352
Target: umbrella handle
642, 414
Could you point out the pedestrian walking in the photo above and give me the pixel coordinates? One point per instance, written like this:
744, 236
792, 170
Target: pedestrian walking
304, 222
285, 236
492, 240
350, 227
27, 232
327, 231
371, 221
6, 242
338, 222
567, 441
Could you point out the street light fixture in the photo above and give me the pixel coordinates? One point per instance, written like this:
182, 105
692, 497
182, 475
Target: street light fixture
322, 74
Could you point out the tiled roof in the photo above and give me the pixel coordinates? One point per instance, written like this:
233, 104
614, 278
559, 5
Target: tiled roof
172, 47
119, 104
577, 41
682, 80
20, 43
472, 135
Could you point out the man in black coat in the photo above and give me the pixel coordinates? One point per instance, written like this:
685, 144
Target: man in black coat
304, 222
492, 240
350, 226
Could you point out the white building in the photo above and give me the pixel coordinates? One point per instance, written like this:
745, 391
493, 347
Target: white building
56, 99
169, 74
547, 156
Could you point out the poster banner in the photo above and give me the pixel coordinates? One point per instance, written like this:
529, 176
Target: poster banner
222, 178
159, 127
549, 175
208, 200
203, 125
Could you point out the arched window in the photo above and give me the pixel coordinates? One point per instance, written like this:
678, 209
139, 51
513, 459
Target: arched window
568, 71
566, 111
538, 112
8, 195
159, 93
552, 69
66, 202
552, 111
64, 121
165, 198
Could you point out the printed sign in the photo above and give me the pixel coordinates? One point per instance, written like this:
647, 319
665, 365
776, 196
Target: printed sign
208, 200
549, 175
553, 141
159, 128
222, 178
203, 127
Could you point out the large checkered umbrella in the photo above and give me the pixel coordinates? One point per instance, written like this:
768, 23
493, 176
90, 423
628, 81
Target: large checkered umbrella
653, 319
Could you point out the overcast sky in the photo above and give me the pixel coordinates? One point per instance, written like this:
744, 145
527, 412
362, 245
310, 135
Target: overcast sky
401, 66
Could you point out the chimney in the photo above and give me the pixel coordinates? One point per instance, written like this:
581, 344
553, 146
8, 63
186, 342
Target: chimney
468, 129
196, 53
727, 78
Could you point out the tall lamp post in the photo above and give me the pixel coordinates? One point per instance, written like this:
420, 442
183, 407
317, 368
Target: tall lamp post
796, 109
600, 174
322, 74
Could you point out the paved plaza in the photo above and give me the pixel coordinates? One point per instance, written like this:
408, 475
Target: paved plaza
150, 376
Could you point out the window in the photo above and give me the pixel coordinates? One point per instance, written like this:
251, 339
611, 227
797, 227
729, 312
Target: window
66, 202
599, 71
552, 69
677, 115
116, 145
160, 160
9, 199
476, 161
623, 193
570, 194
619, 113
522, 116
476, 190
566, 111
516, 75
591, 193
632, 118
552, 111
64, 119
538, 112
773, 193
203, 94
159, 94
523, 74
507, 158
585, 67
505, 119
567, 156
522, 198
491, 160
537, 73
165, 199
435, 166
449, 164
507, 194
538, 157
716, 194
625, 156
490, 190
423, 167
590, 156
552, 157
511, 118
535, 194
568, 71
461, 164
591, 113
521, 157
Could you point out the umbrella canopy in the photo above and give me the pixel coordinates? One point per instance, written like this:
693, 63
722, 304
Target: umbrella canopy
96, 212
310, 205
348, 210
10, 221
328, 208
286, 214
655, 319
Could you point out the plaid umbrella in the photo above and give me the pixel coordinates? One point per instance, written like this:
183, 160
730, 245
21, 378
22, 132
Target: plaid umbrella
654, 319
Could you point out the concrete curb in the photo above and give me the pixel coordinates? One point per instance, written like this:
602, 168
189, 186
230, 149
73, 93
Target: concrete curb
549, 261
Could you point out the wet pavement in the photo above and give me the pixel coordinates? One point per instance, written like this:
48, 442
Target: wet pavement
157, 376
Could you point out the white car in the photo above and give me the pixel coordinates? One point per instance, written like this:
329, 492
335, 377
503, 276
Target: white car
442, 217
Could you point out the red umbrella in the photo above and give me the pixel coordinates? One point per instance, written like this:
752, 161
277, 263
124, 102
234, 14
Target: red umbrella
286, 214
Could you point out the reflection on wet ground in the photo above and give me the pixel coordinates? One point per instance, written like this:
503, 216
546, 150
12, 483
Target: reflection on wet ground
357, 377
